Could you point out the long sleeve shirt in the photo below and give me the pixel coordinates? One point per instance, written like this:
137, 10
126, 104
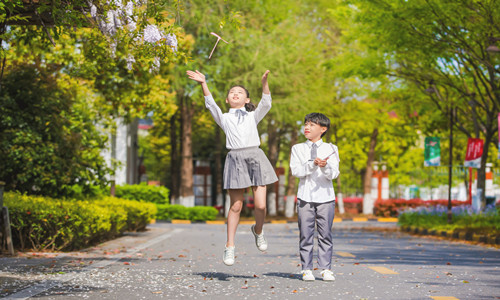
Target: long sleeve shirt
315, 184
241, 130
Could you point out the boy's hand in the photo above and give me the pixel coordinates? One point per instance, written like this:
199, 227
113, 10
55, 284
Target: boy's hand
320, 162
196, 76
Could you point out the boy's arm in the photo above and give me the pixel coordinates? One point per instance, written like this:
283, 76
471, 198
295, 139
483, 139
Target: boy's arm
331, 169
300, 168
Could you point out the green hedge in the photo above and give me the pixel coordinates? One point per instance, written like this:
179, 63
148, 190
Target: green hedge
143, 192
464, 218
138, 214
179, 212
42, 223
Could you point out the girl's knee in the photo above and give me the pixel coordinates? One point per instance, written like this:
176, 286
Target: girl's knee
260, 206
236, 207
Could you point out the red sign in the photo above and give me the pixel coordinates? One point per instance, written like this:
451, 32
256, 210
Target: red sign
474, 153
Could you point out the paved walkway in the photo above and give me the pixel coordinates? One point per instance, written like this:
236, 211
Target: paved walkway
184, 261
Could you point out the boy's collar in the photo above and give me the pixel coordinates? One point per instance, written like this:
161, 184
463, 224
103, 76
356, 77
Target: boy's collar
318, 143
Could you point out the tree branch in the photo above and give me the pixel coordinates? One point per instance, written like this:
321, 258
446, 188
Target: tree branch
45, 28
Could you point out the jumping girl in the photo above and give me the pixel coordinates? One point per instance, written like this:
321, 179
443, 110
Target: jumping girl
246, 164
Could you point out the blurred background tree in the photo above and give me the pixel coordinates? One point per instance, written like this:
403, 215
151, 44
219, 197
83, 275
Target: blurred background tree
385, 72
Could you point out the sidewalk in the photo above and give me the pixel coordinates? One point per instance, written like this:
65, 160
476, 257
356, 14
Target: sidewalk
30, 268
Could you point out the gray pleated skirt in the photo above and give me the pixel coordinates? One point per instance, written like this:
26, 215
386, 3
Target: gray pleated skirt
247, 167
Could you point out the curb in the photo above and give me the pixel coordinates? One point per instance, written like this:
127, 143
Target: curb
222, 222
450, 234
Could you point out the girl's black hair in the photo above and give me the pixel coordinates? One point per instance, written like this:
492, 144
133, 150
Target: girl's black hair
248, 106
320, 119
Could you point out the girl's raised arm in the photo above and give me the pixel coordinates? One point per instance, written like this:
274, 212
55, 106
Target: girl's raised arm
265, 85
265, 103
199, 77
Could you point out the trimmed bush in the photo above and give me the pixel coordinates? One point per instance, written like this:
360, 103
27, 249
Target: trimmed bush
463, 219
43, 223
203, 213
138, 214
179, 212
143, 192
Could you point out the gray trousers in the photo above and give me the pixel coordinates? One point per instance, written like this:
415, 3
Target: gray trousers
321, 215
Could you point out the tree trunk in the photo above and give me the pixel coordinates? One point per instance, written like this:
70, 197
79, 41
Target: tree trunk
272, 134
290, 189
291, 180
367, 199
339, 196
218, 167
489, 131
481, 172
174, 161
186, 184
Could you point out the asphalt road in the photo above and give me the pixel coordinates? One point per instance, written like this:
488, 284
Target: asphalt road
184, 261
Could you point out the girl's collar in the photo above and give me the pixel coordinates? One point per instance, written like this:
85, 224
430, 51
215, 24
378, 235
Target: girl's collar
233, 110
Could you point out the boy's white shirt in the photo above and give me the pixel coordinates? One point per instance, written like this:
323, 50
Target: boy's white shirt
315, 183
243, 133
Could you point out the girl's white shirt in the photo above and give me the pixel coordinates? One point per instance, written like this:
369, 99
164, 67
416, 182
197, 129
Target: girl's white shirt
240, 132
315, 184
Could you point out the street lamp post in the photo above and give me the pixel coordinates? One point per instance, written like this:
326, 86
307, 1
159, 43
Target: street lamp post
432, 89
450, 166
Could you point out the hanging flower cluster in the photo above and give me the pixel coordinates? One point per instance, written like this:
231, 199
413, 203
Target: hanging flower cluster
122, 16
153, 35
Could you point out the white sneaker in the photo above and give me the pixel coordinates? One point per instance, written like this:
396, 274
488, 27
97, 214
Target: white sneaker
327, 275
228, 257
307, 275
260, 240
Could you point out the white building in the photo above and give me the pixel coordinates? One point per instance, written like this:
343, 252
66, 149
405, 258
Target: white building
123, 146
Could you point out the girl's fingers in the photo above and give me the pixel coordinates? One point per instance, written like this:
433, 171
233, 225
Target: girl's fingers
264, 77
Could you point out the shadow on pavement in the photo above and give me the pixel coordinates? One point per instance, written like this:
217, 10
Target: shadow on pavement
283, 275
220, 276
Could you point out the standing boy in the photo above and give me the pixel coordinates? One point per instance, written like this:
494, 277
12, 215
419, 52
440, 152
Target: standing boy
316, 164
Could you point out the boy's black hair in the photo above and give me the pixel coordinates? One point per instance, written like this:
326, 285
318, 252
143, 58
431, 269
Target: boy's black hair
248, 106
318, 118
